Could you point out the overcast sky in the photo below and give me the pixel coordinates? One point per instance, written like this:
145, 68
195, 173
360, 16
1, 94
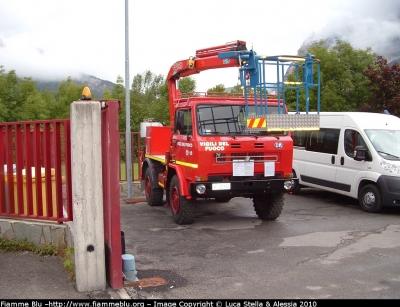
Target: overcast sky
59, 38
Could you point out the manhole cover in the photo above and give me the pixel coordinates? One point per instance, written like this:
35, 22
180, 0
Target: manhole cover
150, 280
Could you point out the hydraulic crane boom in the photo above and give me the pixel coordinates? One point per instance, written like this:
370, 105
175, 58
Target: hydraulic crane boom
205, 59
256, 81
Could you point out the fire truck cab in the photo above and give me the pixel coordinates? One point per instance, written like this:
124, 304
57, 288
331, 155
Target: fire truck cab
226, 145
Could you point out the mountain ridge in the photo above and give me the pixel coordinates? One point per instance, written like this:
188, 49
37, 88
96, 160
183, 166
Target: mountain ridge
97, 86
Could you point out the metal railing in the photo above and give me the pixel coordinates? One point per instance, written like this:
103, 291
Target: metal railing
35, 170
135, 154
42, 149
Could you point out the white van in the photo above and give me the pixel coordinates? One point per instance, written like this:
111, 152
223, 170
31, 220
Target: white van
355, 154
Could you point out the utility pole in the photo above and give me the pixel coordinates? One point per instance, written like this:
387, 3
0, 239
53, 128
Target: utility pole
128, 146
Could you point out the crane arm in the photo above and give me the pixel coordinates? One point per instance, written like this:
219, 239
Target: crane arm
206, 59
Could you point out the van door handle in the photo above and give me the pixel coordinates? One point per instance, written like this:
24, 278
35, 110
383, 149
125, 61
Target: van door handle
333, 159
341, 160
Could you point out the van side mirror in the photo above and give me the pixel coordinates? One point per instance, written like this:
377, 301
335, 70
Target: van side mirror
360, 153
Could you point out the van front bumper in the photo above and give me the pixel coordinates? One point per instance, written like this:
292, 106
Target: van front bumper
390, 188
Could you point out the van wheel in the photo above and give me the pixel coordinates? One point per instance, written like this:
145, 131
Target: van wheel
268, 207
154, 196
296, 187
370, 198
183, 209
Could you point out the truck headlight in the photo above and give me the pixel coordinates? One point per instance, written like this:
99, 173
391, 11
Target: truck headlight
200, 188
389, 167
288, 184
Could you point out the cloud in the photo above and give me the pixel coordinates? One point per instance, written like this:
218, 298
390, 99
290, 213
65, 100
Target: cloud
56, 39
367, 23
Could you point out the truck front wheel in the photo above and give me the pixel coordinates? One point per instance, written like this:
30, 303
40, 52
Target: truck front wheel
268, 207
154, 196
183, 209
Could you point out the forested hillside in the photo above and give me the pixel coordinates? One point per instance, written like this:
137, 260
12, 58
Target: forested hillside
351, 80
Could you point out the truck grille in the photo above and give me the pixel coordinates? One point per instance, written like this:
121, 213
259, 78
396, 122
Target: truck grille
256, 145
257, 157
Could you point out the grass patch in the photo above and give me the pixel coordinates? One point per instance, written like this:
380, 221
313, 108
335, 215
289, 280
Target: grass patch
69, 265
24, 246
135, 168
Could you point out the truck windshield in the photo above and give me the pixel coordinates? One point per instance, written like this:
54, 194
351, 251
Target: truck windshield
229, 120
386, 142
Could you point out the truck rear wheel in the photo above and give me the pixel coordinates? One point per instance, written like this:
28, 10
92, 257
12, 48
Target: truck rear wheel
154, 196
370, 198
268, 207
183, 209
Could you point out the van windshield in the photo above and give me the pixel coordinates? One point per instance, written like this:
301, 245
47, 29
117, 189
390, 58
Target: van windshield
386, 142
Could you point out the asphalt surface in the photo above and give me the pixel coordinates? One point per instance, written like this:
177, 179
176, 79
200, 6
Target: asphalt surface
25, 275
321, 247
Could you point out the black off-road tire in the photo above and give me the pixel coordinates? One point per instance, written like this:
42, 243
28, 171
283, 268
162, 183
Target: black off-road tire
183, 209
370, 198
268, 207
154, 196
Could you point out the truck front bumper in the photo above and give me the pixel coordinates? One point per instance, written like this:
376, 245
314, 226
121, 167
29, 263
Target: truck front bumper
245, 188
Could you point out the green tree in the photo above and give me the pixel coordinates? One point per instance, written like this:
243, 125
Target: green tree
148, 99
342, 80
68, 92
10, 96
35, 105
107, 94
148, 92
118, 93
219, 88
384, 84
237, 89
160, 108
20, 100
187, 85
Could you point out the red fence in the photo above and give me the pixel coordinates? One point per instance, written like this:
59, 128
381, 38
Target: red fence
110, 147
32, 150
42, 149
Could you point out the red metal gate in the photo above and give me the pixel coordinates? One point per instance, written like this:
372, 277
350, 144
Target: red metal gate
37, 185
35, 170
111, 194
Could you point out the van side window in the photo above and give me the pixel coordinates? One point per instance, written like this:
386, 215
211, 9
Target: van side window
299, 138
352, 139
324, 140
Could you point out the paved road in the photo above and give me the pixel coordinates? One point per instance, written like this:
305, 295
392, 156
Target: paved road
322, 246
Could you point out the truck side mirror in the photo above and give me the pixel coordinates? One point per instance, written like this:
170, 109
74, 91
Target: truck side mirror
360, 153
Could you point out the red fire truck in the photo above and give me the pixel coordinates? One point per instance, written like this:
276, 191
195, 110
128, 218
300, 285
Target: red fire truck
224, 146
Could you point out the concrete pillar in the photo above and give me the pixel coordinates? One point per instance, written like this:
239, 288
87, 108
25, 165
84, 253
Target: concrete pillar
87, 196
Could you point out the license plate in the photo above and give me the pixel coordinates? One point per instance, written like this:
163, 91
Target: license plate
221, 186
